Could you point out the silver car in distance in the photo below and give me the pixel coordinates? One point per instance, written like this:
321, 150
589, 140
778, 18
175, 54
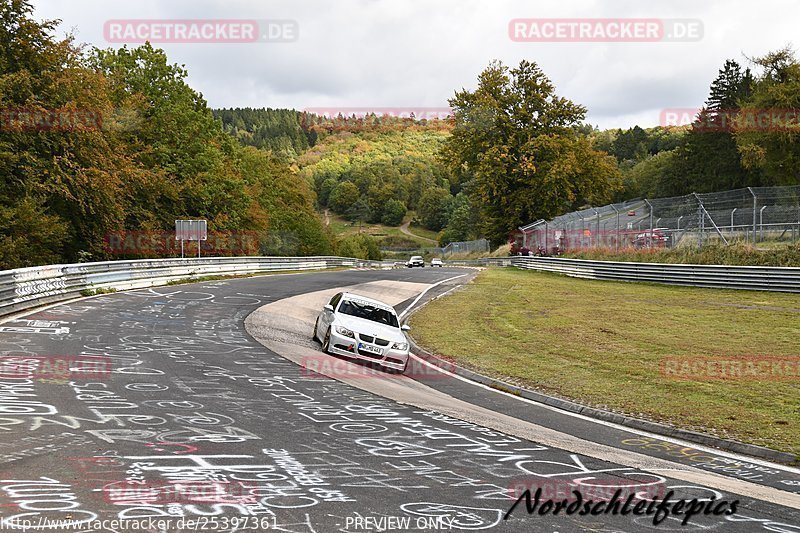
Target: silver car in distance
362, 328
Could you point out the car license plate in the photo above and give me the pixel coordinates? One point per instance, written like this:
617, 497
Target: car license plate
370, 349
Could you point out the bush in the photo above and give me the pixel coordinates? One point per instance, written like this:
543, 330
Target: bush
393, 213
359, 247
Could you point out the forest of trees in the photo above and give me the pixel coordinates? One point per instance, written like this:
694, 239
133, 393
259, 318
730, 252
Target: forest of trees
278, 130
515, 151
375, 177
152, 153
721, 149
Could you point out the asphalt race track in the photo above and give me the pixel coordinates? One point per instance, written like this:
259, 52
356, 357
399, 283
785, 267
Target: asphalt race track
189, 423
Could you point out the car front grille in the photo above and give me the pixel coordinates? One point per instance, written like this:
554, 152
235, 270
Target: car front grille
373, 340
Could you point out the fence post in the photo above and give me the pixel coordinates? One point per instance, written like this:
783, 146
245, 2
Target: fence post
650, 237
732, 212
545, 236
755, 206
616, 244
597, 234
701, 219
761, 223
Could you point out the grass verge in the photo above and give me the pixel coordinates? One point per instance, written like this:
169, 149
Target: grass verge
601, 343
715, 254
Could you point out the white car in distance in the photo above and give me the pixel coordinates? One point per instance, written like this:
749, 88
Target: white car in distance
363, 328
436, 262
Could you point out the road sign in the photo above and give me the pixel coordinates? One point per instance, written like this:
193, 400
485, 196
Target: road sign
191, 230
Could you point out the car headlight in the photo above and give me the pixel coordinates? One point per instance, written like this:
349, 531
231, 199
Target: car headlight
400, 346
341, 330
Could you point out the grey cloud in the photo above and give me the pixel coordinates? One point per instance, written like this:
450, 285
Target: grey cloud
418, 52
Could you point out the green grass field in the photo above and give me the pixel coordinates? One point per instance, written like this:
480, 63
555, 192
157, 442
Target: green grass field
384, 234
765, 254
601, 344
424, 232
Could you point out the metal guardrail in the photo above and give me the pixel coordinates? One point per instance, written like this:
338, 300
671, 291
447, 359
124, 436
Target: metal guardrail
782, 279
488, 261
24, 288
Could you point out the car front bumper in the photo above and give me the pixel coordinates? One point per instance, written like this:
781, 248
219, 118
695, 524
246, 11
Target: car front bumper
348, 347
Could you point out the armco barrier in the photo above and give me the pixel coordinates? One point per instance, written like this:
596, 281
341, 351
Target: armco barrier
782, 279
25, 288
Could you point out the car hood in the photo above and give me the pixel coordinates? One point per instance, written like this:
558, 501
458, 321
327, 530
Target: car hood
368, 327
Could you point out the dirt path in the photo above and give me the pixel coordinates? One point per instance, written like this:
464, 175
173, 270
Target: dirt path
404, 229
327, 218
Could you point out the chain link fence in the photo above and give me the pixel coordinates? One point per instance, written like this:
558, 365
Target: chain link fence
466, 247
754, 214
454, 248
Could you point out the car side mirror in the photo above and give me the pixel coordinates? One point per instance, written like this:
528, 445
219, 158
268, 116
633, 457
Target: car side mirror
405, 327
328, 307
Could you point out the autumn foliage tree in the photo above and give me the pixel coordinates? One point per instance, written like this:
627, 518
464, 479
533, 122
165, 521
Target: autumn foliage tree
518, 143
151, 153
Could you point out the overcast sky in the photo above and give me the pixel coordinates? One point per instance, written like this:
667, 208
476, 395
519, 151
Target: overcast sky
416, 53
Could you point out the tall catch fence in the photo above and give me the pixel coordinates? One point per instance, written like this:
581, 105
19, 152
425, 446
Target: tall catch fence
753, 214
461, 247
466, 247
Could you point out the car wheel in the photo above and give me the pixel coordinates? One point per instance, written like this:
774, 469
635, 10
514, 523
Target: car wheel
326, 344
316, 327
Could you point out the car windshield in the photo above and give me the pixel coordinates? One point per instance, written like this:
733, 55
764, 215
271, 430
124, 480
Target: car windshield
369, 312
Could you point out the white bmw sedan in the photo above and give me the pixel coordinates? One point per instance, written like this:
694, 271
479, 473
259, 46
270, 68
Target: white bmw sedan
362, 328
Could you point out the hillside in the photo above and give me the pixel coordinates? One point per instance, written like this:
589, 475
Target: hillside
376, 177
